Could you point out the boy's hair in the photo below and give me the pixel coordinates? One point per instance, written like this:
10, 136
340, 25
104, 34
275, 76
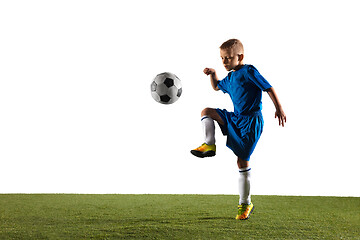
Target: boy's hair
233, 43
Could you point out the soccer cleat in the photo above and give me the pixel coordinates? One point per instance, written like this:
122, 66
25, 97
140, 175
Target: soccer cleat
244, 211
204, 151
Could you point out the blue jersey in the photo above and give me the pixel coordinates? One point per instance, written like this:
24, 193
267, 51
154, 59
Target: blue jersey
245, 88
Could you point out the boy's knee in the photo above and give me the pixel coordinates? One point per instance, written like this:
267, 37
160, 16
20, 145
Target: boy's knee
207, 112
211, 112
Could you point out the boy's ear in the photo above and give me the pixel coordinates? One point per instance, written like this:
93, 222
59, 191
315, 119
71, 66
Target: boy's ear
241, 57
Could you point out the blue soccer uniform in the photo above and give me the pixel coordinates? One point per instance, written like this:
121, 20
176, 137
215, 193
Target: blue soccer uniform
244, 126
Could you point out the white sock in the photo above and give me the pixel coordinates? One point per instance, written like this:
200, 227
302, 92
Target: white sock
209, 129
244, 186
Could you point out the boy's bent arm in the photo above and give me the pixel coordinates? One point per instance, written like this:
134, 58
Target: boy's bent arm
214, 82
280, 114
213, 78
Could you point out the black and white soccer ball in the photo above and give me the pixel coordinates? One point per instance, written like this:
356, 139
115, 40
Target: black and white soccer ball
166, 88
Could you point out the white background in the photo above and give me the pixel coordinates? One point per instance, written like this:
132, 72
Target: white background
76, 114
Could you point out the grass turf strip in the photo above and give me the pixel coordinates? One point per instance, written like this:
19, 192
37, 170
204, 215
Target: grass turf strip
73, 216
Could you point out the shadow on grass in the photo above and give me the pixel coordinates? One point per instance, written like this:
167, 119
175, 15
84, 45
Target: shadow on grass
216, 218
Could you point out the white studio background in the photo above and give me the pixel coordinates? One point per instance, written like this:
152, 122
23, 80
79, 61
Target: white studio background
76, 114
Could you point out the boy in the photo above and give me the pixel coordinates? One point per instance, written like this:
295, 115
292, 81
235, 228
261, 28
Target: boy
244, 126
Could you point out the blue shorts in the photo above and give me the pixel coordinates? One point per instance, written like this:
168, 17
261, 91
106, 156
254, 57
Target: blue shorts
243, 132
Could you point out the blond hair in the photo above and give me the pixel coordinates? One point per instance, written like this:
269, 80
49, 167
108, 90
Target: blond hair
235, 44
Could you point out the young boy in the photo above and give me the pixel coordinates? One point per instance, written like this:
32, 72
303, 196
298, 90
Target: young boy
244, 126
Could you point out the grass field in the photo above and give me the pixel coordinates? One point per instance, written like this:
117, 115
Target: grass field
72, 216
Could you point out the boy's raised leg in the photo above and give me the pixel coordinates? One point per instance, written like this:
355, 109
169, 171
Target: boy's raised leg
208, 148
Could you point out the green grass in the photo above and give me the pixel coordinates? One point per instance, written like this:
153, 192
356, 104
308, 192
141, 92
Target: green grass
72, 216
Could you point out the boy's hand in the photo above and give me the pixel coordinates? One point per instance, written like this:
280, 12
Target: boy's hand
281, 117
213, 77
209, 71
280, 114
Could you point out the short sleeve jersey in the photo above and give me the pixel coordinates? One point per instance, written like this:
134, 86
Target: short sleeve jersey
245, 88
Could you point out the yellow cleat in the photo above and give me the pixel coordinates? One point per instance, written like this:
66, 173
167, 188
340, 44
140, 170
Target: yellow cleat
244, 211
204, 151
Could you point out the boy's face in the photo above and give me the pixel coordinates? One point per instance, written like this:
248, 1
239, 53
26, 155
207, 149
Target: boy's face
231, 59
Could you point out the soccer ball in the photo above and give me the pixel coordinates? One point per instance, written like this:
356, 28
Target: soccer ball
166, 88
